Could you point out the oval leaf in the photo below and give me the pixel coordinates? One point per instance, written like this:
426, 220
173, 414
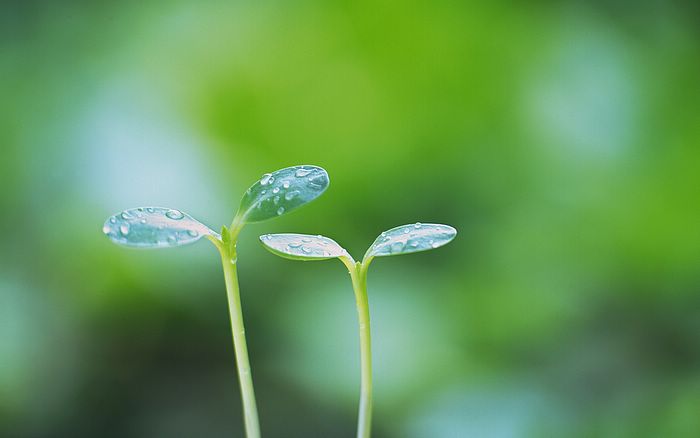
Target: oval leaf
282, 191
154, 227
302, 246
411, 238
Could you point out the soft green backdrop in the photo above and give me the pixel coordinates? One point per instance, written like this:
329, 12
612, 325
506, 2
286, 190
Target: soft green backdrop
561, 139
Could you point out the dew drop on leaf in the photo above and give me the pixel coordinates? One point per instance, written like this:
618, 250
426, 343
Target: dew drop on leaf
266, 179
174, 214
301, 172
318, 181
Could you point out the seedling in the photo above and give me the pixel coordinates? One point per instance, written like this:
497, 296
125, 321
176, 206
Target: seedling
400, 240
273, 195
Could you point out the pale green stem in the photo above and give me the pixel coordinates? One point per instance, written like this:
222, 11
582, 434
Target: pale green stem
250, 410
358, 273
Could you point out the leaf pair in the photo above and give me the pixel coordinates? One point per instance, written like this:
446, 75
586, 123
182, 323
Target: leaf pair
404, 239
274, 194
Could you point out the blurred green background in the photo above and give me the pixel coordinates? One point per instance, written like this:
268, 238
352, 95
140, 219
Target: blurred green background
561, 139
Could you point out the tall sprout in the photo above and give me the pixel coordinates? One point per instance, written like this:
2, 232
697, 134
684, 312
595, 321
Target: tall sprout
275, 194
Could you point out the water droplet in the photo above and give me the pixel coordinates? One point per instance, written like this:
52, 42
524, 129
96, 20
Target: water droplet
113, 220
306, 249
434, 244
266, 179
174, 214
319, 236
414, 244
276, 200
124, 229
417, 225
263, 192
172, 240
301, 172
306, 240
276, 190
125, 215
106, 229
406, 231
294, 244
396, 246
280, 211
285, 184
150, 209
193, 233
383, 234
290, 195
143, 221
317, 181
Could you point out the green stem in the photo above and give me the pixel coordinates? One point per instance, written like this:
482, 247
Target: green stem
250, 410
359, 284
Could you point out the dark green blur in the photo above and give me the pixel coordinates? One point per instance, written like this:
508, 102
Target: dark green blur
562, 140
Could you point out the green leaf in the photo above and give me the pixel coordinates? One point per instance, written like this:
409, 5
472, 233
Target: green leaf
302, 246
154, 227
282, 191
411, 238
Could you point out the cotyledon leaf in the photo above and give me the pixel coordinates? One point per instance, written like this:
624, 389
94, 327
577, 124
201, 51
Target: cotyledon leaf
411, 238
302, 246
282, 191
154, 227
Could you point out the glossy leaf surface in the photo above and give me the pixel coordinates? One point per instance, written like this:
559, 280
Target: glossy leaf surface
154, 227
411, 238
282, 191
302, 246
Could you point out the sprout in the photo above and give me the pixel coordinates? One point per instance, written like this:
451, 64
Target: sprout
274, 194
396, 241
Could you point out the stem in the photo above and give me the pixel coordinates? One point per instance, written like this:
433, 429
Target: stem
250, 410
359, 284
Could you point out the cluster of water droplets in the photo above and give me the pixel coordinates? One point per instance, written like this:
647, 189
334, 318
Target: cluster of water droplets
154, 227
412, 238
302, 246
283, 190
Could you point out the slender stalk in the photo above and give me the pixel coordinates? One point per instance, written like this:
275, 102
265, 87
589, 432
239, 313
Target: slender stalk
359, 284
250, 410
